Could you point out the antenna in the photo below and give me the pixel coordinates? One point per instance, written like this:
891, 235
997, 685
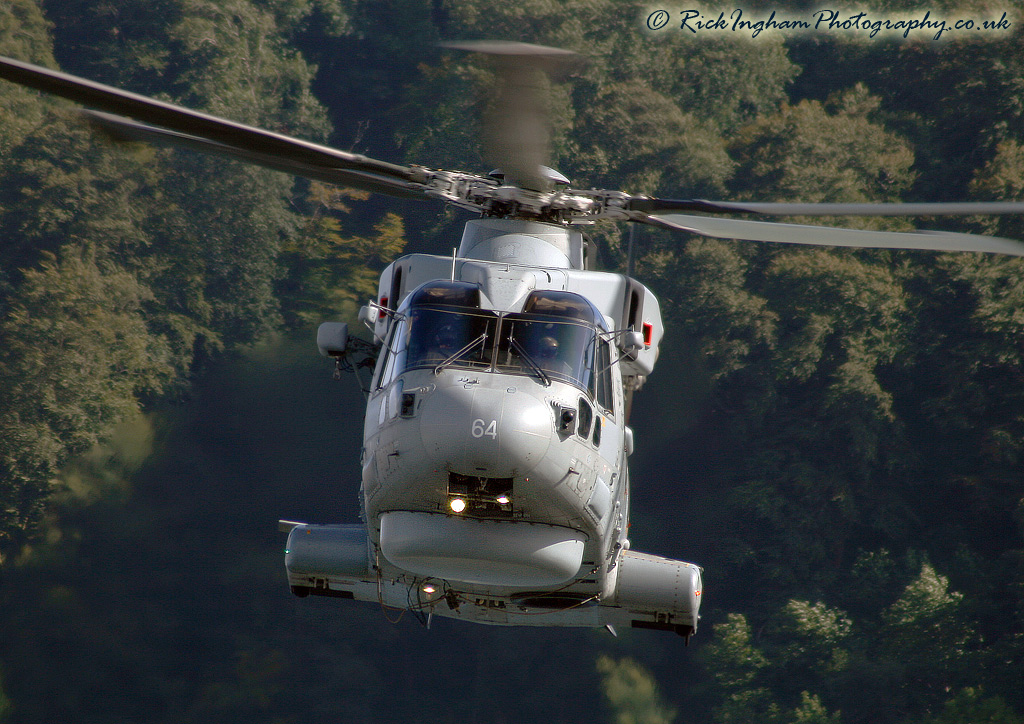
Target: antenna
629, 253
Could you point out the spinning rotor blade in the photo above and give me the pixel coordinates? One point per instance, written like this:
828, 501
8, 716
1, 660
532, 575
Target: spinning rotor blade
124, 129
658, 206
518, 136
832, 236
186, 127
517, 130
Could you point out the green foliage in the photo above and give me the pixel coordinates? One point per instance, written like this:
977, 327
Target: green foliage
811, 711
76, 355
812, 662
971, 706
64, 186
1002, 178
24, 33
737, 662
239, 67
710, 302
823, 152
631, 693
330, 274
189, 243
668, 150
859, 426
741, 670
820, 636
926, 632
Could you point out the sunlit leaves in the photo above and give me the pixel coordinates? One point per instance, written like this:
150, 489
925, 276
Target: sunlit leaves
729, 81
23, 35
707, 295
737, 662
738, 667
331, 273
188, 245
76, 355
638, 139
843, 320
972, 706
1002, 179
632, 693
925, 625
811, 711
811, 662
820, 635
823, 152
239, 67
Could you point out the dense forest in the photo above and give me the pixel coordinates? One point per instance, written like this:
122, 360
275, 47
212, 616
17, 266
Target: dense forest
836, 436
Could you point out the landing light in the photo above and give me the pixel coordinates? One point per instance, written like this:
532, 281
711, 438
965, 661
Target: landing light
428, 589
502, 499
457, 505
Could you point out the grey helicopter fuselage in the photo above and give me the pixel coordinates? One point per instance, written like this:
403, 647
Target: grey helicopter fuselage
494, 478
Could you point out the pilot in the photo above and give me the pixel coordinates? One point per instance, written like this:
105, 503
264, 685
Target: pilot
444, 343
547, 349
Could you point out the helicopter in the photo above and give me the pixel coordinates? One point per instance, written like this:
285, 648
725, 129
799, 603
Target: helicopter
495, 479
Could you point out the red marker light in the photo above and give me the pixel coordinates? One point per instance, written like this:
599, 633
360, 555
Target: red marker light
648, 333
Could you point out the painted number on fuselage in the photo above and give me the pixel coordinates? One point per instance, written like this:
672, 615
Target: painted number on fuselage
480, 428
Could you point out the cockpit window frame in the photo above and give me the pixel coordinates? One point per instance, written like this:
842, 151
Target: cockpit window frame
440, 354
580, 338
561, 347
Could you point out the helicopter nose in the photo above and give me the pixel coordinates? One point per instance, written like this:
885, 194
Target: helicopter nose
493, 432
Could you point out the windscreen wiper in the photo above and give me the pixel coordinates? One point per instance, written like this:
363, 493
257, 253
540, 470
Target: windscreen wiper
529, 360
481, 340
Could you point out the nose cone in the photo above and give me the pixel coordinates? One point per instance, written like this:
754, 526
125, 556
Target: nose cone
485, 431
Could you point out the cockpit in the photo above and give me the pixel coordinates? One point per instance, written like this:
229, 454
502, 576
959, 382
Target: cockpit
557, 336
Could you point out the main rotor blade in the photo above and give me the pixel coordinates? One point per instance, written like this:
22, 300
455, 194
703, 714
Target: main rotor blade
657, 206
832, 236
124, 129
517, 129
196, 125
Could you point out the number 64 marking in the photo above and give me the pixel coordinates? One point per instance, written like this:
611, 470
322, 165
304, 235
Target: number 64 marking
479, 428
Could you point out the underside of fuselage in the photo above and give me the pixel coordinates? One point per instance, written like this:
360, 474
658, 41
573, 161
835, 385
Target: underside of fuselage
647, 592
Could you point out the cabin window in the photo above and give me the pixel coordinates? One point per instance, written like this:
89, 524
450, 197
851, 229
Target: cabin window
585, 419
603, 377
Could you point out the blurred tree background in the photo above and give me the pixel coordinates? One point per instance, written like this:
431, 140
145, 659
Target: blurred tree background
843, 449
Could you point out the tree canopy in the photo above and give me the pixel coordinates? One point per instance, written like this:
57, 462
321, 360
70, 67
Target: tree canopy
837, 436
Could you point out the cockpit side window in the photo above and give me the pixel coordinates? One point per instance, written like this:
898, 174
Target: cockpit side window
394, 352
603, 377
